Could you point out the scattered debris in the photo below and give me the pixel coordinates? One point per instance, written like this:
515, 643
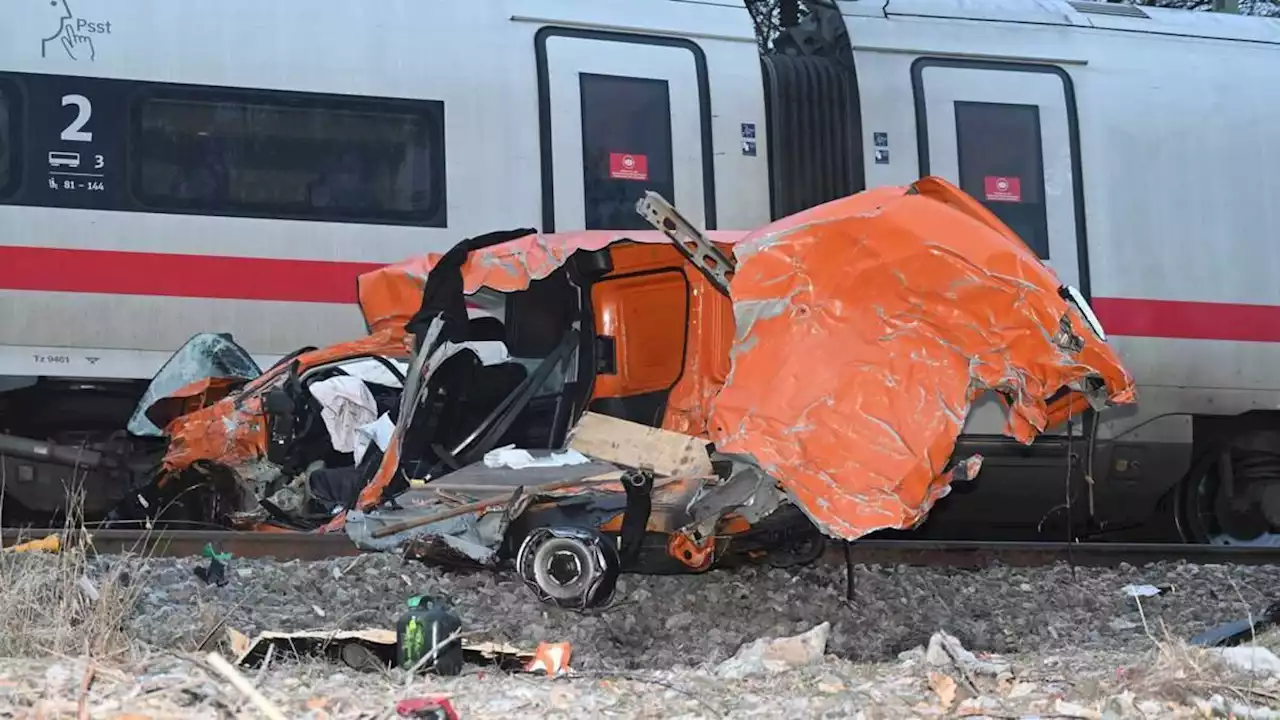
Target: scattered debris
945, 650
48, 543
89, 589
1234, 633
431, 707
1063, 708
1146, 591
550, 659
422, 637
944, 687
216, 572
768, 656
1250, 659
360, 649
631, 444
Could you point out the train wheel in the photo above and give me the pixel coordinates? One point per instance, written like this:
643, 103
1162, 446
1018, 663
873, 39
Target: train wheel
1231, 495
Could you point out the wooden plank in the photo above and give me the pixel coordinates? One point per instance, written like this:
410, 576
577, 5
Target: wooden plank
634, 445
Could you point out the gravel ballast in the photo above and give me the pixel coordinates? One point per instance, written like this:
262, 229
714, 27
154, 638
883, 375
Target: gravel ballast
1073, 639
660, 621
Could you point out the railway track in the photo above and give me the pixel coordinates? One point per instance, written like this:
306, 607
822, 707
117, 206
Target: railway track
965, 554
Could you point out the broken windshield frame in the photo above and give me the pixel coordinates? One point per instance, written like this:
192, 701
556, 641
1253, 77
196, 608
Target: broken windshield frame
203, 357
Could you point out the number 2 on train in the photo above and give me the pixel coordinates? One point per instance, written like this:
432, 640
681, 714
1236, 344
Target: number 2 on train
84, 109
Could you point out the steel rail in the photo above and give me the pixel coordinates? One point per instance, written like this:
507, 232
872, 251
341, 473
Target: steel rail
973, 554
962, 554
190, 543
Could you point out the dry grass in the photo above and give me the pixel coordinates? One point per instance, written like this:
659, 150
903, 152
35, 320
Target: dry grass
54, 604
1199, 677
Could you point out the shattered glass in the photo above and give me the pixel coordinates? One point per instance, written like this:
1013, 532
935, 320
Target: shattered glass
204, 356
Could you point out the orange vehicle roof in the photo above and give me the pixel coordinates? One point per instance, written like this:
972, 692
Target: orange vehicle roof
390, 295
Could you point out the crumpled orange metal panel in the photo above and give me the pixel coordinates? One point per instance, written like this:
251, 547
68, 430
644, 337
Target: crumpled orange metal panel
390, 295
227, 433
866, 328
191, 397
232, 431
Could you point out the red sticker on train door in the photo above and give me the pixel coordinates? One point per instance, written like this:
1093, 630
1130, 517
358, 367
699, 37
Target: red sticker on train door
628, 166
1002, 189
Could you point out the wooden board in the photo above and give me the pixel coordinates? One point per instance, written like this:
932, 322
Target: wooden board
634, 445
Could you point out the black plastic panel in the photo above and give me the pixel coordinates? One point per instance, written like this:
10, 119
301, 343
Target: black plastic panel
815, 132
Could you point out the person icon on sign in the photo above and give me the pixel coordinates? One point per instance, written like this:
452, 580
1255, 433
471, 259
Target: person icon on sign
77, 46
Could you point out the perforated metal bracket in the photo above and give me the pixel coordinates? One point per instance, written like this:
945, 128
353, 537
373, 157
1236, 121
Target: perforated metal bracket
688, 239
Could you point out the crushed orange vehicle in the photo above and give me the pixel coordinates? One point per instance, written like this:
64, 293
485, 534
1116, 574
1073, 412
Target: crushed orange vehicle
835, 381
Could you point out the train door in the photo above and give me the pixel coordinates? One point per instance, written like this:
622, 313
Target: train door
1006, 134
620, 114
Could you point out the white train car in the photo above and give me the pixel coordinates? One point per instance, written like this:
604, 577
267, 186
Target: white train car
167, 169
1129, 147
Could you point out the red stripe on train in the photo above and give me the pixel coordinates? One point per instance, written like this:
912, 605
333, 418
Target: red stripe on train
174, 275
244, 278
1188, 320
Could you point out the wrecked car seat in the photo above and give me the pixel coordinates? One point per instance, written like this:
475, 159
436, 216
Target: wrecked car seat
502, 419
468, 408
459, 395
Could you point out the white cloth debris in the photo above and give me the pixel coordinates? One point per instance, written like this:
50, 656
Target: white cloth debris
517, 459
379, 431
346, 404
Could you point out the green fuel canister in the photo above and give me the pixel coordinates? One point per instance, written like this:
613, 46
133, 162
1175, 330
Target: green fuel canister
424, 625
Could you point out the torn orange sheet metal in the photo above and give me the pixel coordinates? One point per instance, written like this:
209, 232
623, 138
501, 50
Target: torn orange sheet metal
233, 432
917, 299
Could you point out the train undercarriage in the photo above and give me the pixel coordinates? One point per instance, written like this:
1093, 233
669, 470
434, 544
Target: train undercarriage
64, 444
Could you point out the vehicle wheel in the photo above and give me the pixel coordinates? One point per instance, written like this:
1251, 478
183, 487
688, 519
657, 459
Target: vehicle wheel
802, 551
1246, 515
570, 567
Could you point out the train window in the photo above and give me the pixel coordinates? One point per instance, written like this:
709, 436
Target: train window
626, 148
8, 144
1002, 165
315, 159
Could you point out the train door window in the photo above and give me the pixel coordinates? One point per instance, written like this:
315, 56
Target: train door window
1001, 164
626, 136
296, 156
621, 113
